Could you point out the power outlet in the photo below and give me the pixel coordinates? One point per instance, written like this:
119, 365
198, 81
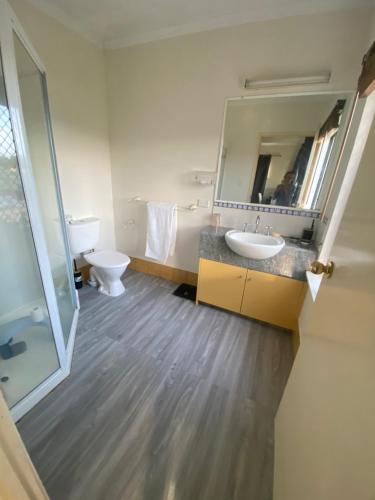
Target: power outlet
204, 203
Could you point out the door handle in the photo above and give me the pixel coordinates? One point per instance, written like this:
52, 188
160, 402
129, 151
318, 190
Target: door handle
320, 268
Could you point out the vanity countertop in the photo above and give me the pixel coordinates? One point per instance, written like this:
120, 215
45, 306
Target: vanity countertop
293, 261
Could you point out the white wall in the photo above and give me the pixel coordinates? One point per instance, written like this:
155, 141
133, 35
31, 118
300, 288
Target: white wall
78, 100
166, 102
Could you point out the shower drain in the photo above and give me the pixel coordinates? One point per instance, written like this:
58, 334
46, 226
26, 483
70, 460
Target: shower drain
4, 379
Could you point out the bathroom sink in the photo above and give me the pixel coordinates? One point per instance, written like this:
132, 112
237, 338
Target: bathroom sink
254, 245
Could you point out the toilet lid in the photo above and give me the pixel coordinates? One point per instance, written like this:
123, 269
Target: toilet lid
107, 258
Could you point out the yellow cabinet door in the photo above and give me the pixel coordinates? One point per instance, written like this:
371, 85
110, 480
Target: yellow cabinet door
273, 299
220, 284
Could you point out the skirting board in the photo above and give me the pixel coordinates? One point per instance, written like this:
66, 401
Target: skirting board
296, 332
85, 272
295, 342
155, 269
162, 271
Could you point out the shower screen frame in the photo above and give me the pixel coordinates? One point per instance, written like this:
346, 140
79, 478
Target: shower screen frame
9, 27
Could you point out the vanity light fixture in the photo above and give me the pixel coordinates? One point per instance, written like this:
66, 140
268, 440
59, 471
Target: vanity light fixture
287, 82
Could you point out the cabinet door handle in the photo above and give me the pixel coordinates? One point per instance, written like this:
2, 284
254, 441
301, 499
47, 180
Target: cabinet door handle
239, 277
249, 279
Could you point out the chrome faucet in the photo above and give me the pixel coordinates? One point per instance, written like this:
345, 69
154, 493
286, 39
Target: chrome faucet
257, 222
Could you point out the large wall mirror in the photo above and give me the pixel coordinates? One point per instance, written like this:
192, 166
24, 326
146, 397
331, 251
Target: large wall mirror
282, 150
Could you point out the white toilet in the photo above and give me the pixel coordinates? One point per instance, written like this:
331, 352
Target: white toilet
108, 265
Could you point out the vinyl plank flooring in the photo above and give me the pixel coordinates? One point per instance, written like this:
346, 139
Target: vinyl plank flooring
166, 400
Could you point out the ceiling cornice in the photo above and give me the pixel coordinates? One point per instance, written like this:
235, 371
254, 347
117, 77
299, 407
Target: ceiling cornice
68, 21
255, 15
313, 7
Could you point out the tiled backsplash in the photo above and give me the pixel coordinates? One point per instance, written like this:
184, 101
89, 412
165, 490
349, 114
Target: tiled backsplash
268, 209
284, 223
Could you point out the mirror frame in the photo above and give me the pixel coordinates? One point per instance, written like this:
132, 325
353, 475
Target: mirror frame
278, 209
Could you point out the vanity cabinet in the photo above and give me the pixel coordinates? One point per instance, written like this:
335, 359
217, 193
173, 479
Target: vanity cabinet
263, 296
221, 285
274, 299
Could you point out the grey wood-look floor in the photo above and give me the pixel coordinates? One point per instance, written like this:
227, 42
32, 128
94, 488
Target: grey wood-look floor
166, 400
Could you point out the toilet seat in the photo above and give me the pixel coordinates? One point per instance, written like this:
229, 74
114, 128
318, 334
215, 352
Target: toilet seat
107, 258
107, 268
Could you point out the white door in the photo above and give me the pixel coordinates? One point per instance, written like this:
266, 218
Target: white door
325, 426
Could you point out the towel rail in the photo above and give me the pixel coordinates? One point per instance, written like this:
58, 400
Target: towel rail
189, 208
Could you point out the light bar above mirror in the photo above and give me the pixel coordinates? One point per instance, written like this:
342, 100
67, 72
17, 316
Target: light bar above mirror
287, 82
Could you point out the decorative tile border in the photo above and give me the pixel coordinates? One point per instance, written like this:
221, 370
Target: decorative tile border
270, 209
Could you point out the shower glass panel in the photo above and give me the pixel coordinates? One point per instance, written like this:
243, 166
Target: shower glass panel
28, 353
36, 117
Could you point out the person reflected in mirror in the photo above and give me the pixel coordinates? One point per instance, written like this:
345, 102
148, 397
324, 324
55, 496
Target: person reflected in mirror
284, 192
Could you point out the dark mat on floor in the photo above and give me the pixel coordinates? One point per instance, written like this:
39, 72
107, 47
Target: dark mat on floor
186, 292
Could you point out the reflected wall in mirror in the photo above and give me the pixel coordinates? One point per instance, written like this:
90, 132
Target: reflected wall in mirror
282, 150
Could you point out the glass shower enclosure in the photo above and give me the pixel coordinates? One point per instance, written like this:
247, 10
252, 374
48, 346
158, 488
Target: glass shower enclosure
38, 302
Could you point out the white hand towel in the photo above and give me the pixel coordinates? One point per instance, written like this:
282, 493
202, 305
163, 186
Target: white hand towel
161, 230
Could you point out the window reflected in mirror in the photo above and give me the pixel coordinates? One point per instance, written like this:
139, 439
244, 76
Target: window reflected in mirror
282, 151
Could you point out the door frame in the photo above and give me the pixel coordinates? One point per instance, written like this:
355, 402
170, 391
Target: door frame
350, 158
19, 479
10, 25
352, 152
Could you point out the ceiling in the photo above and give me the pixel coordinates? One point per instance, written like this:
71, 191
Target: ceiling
119, 23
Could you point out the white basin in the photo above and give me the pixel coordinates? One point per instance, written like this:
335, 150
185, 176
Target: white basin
254, 245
